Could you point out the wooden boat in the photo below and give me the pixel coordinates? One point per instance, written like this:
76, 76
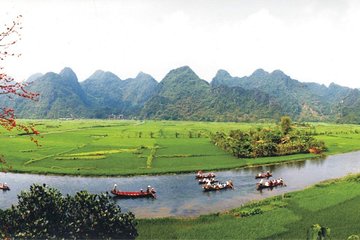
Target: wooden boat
206, 180
263, 175
201, 175
4, 187
140, 194
270, 184
218, 186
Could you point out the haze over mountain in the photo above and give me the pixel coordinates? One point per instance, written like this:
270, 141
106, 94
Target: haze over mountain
182, 95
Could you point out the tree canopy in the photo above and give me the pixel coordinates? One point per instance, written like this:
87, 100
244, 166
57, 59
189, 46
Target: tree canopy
44, 213
264, 142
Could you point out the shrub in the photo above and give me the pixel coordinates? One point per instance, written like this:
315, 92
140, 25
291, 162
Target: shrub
45, 213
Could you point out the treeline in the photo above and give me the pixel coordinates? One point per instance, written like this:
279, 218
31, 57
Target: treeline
263, 142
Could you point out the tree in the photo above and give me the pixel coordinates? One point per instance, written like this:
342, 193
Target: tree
285, 124
9, 36
44, 213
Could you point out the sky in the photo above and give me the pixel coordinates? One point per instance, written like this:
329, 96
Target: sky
309, 40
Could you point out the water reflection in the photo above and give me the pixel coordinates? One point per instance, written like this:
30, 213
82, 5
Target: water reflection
181, 195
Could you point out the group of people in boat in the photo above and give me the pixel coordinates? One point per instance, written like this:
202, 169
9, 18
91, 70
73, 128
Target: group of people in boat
218, 186
201, 175
264, 175
207, 180
210, 183
269, 183
4, 186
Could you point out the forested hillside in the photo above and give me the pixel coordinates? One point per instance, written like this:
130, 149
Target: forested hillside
182, 95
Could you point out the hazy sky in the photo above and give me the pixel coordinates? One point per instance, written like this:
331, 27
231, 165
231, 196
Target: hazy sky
310, 40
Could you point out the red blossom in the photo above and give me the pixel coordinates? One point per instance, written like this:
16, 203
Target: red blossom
9, 87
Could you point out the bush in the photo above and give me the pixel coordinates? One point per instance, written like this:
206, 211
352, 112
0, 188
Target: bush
251, 212
45, 213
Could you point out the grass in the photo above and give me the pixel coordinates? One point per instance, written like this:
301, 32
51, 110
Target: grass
103, 147
332, 204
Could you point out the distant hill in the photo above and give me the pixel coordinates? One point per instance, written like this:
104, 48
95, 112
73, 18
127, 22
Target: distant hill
111, 95
182, 95
60, 95
302, 101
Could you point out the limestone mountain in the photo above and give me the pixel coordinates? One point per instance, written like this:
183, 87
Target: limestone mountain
60, 96
302, 101
183, 95
111, 95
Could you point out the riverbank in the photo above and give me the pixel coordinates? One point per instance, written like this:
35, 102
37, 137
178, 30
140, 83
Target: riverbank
174, 201
332, 203
129, 148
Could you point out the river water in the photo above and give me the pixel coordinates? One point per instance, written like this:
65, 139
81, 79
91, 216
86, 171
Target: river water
181, 195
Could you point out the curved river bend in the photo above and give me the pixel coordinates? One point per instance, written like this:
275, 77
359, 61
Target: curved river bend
181, 195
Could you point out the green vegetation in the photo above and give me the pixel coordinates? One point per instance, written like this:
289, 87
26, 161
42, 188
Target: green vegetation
332, 204
104, 147
43, 213
265, 142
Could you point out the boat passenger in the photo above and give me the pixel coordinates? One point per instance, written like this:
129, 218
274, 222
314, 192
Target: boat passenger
148, 189
141, 190
261, 182
115, 187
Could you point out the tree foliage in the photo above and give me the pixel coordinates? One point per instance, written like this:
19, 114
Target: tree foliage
285, 123
44, 213
264, 142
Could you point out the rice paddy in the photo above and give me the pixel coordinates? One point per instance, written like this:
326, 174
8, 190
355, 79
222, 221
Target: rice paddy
121, 147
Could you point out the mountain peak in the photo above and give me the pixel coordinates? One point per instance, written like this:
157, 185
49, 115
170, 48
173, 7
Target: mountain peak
34, 77
278, 73
222, 74
143, 76
100, 74
222, 77
183, 69
259, 73
181, 74
68, 74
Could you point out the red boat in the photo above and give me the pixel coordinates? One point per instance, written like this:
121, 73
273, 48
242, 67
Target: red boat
4, 187
201, 175
270, 184
133, 194
150, 192
218, 186
263, 175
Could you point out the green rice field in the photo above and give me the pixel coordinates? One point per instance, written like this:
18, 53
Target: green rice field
121, 147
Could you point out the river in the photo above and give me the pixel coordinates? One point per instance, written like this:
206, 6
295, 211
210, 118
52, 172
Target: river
181, 195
